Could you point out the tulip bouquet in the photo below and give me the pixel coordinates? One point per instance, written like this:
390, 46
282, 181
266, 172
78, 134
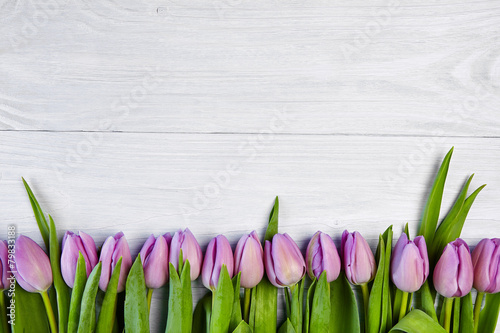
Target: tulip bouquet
423, 284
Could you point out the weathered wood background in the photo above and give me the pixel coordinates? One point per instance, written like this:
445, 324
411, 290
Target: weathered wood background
150, 116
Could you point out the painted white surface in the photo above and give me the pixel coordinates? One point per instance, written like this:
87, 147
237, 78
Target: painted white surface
147, 117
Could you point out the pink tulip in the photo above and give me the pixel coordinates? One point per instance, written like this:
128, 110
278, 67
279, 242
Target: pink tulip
33, 271
285, 265
4, 266
454, 272
358, 260
72, 245
191, 251
486, 262
322, 255
410, 263
249, 260
218, 253
112, 250
154, 259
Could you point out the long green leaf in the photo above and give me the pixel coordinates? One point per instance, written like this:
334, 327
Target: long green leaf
77, 294
425, 301
375, 302
456, 315
62, 290
180, 301
136, 303
466, 315
87, 315
344, 315
202, 314
222, 303
30, 315
321, 307
236, 317
433, 205
417, 322
272, 227
309, 300
296, 306
242, 327
107, 316
386, 315
489, 314
39, 215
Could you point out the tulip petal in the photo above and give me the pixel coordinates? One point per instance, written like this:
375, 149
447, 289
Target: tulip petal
208, 264
465, 271
147, 248
156, 266
106, 253
445, 272
33, 271
269, 264
252, 269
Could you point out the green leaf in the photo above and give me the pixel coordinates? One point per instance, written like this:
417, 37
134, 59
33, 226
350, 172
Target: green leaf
107, 315
87, 315
30, 315
62, 290
451, 228
202, 314
309, 300
321, 307
272, 227
489, 314
344, 315
456, 315
77, 294
243, 327
296, 303
417, 322
236, 317
375, 302
180, 301
433, 205
39, 216
136, 303
287, 327
466, 315
386, 316
222, 303
425, 301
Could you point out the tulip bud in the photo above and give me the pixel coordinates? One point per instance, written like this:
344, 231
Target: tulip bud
154, 259
191, 251
410, 263
4, 266
358, 260
322, 255
285, 265
72, 245
454, 272
33, 271
218, 253
249, 260
486, 262
112, 250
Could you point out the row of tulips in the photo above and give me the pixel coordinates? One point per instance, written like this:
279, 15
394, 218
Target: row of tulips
436, 262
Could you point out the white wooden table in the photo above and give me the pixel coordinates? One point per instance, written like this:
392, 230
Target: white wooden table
150, 116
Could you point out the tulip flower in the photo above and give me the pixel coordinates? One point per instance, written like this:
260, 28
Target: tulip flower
154, 258
486, 263
249, 260
72, 246
218, 253
191, 251
285, 265
4, 266
410, 263
112, 250
453, 274
322, 255
358, 260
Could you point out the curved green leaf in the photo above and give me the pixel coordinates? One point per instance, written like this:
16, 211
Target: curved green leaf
107, 315
30, 315
488, 316
87, 315
309, 300
417, 322
180, 301
236, 317
202, 314
272, 227
43, 226
136, 303
375, 302
425, 301
77, 294
344, 315
222, 305
321, 307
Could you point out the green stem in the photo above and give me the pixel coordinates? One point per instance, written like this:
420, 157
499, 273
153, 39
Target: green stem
150, 296
246, 304
448, 306
477, 310
404, 305
3, 312
366, 297
50, 312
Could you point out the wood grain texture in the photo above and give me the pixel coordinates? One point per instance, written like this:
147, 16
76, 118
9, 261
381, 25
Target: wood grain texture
148, 117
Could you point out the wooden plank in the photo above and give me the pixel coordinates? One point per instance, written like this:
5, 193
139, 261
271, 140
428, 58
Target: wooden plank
383, 68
